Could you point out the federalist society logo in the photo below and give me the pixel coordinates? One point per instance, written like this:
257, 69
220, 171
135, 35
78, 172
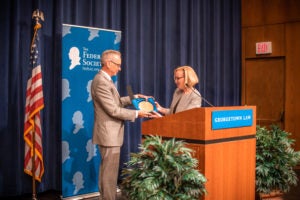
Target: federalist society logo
89, 61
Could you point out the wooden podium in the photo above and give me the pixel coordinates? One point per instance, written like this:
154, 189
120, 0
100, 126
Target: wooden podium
226, 155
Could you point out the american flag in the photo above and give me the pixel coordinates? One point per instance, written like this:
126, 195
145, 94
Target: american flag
34, 104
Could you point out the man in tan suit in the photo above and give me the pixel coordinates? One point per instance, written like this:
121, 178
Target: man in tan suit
109, 117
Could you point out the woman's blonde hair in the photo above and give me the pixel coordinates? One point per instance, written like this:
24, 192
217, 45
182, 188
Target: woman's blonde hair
190, 75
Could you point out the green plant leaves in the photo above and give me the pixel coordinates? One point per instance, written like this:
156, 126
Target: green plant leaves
275, 159
162, 170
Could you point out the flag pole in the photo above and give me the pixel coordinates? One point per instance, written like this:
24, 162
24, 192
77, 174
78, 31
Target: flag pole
33, 166
37, 15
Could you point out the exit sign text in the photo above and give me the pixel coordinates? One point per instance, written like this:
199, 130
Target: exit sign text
263, 47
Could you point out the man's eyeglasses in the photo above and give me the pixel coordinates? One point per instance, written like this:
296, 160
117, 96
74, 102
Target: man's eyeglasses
178, 78
118, 65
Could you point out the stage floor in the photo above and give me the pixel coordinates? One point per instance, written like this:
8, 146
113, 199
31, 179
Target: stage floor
294, 194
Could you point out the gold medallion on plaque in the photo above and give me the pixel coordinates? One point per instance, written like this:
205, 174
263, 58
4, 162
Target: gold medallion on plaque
146, 106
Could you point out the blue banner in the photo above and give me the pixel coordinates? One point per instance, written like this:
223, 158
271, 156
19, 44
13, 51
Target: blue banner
222, 119
81, 51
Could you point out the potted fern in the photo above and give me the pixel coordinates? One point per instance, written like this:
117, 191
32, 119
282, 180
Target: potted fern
162, 170
275, 161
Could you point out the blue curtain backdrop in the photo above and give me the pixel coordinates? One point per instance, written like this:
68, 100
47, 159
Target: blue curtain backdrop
157, 36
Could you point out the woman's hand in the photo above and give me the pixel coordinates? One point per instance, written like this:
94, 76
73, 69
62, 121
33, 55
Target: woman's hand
160, 108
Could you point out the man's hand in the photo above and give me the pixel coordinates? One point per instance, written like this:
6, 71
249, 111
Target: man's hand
142, 114
152, 114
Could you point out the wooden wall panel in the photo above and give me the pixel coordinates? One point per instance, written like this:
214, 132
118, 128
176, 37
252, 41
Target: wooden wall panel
275, 34
262, 12
292, 105
276, 21
252, 13
265, 88
281, 11
274, 11
292, 10
252, 35
271, 33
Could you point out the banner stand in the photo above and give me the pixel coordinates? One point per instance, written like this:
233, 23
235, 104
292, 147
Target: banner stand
81, 52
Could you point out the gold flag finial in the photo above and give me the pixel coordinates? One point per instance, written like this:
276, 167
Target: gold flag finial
38, 15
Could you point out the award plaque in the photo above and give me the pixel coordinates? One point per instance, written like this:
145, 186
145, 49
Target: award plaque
145, 105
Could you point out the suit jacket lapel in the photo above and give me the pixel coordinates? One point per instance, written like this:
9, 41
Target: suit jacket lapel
111, 83
114, 86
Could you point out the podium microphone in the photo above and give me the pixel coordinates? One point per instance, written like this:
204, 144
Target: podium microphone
207, 101
193, 89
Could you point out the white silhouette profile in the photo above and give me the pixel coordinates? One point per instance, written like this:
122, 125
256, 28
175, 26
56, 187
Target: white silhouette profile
78, 181
65, 91
91, 149
66, 30
77, 121
65, 151
93, 34
88, 89
74, 57
118, 37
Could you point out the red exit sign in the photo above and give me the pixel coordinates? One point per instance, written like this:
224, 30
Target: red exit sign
263, 47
